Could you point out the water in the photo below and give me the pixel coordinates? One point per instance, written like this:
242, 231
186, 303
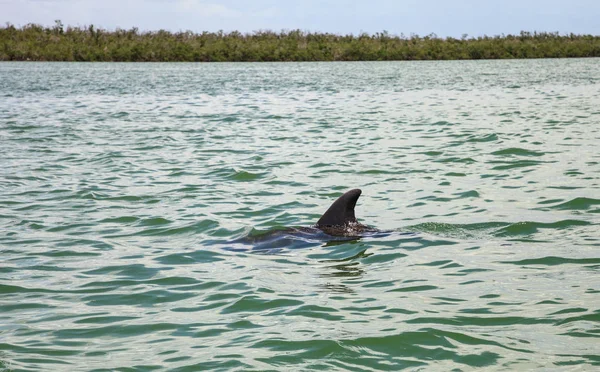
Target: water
124, 186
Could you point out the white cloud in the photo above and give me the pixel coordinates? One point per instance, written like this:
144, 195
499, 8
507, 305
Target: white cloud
203, 9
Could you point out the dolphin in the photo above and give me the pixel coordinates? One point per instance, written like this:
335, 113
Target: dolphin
337, 224
340, 220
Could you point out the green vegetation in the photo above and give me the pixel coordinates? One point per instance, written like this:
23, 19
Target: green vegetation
59, 43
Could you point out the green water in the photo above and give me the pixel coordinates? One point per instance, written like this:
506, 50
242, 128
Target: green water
124, 186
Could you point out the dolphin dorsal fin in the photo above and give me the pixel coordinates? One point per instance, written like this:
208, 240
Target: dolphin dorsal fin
341, 212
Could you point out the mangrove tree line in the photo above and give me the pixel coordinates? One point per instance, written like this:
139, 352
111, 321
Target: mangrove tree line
59, 43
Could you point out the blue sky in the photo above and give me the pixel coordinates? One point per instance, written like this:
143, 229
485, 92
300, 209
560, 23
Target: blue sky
445, 18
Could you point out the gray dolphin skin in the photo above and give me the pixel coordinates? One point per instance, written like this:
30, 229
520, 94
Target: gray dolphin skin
340, 219
341, 212
337, 224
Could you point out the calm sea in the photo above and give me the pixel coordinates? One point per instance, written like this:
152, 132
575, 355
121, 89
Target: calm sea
125, 190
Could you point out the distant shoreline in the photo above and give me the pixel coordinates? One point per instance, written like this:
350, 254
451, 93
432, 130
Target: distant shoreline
89, 44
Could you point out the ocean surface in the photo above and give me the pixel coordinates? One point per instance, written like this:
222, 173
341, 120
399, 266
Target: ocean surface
142, 208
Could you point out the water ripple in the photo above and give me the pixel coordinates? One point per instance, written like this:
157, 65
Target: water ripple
155, 217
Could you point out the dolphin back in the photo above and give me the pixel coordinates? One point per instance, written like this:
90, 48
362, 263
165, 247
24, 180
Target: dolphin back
341, 212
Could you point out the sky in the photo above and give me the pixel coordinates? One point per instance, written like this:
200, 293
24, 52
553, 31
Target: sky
423, 17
